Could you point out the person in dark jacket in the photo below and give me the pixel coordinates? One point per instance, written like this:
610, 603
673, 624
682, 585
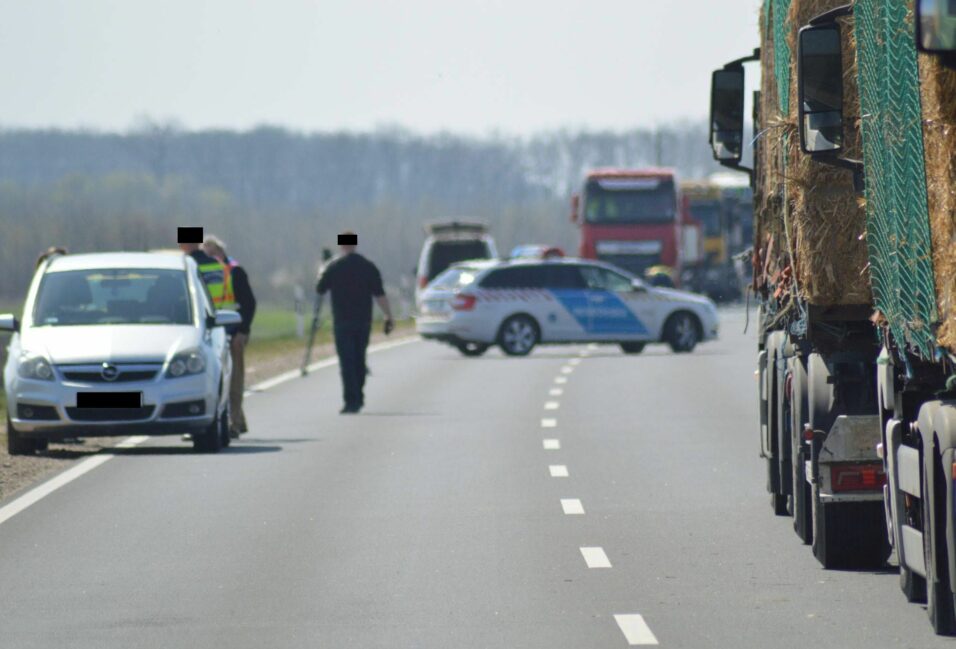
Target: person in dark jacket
236, 295
353, 282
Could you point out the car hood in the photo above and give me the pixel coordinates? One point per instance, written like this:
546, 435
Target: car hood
116, 343
678, 295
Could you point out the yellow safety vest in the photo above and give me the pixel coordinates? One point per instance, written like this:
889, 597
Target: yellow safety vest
218, 279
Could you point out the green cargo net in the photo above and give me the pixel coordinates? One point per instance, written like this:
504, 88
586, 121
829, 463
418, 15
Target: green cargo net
775, 16
898, 236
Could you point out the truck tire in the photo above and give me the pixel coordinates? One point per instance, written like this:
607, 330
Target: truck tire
821, 398
849, 535
18, 444
784, 424
518, 335
939, 596
802, 498
778, 499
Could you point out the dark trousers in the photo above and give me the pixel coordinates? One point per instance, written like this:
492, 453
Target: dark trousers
351, 340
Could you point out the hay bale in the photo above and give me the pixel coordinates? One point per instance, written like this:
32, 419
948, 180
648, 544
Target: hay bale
825, 215
938, 90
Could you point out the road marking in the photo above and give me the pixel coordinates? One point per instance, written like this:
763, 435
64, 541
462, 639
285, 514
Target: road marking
595, 558
593, 346
635, 629
572, 506
38, 493
574, 361
558, 471
556, 392
584, 353
567, 369
552, 445
560, 379
268, 384
549, 423
551, 405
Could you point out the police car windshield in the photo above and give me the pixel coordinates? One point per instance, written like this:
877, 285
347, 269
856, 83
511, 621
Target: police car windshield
113, 296
630, 200
455, 278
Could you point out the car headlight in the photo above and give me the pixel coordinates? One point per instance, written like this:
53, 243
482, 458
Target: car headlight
33, 366
186, 364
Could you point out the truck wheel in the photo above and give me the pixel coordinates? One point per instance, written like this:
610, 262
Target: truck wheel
632, 348
518, 335
210, 440
472, 349
784, 424
912, 585
939, 597
849, 535
18, 444
778, 499
682, 332
802, 496
821, 398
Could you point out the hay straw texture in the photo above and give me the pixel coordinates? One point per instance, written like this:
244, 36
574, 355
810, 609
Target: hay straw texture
938, 90
826, 216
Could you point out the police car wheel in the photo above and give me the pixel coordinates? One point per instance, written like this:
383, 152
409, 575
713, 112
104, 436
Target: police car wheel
632, 348
682, 332
518, 335
472, 349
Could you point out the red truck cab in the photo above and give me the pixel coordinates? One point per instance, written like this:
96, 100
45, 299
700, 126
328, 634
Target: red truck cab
634, 219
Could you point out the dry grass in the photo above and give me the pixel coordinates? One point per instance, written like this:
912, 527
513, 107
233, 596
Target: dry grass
938, 88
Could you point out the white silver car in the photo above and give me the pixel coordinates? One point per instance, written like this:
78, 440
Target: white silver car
114, 344
519, 303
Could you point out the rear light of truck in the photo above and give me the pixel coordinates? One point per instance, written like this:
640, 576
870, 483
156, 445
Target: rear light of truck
463, 302
857, 477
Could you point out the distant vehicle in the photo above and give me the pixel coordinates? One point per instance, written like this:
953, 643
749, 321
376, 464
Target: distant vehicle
116, 344
632, 218
536, 251
518, 304
449, 243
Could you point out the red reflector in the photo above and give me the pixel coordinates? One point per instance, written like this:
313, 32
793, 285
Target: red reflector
422, 282
857, 477
463, 302
954, 471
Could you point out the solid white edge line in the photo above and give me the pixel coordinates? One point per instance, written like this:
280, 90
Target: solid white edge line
551, 444
558, 470
572, 506
13, 508
595, 557
635, 629
16, 506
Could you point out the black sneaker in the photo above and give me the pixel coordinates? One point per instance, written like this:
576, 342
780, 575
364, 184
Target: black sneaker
348, 410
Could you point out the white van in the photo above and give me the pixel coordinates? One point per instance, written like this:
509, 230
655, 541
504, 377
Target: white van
450, 243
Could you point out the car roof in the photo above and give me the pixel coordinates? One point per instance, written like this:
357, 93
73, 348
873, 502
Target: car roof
165, 260
483, 264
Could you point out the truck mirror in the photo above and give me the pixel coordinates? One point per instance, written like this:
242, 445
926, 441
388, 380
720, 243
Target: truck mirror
820, 88
727, 114
575, 207
936, 26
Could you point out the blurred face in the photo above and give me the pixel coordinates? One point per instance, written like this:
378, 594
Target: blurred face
188, 247
347, 249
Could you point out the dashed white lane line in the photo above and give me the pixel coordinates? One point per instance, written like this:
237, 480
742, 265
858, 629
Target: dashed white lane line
551, 444
560, 379
572, 506
574, 361
555, 392
567, 369
551, 405
12, 509
635, 629
595, 557
593, 346
558, 471
549, 423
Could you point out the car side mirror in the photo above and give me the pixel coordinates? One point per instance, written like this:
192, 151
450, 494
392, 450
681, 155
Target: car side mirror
820, 88
575, 207
9, 322
936, 26
638, 286
727, 114
227, 318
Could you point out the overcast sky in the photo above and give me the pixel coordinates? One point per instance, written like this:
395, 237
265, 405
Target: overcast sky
467, 66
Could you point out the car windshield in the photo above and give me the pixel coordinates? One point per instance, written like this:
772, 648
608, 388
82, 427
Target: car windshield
446, 253
630, 200
112, 296
455, 278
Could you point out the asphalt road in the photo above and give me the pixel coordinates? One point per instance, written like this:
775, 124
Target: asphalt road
433, 520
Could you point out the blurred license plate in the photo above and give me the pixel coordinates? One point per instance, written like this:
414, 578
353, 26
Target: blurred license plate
436, 306
109, 399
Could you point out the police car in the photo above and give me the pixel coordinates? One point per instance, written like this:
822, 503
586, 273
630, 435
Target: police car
518, 304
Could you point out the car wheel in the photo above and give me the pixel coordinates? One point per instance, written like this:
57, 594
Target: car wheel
224, 426
472, 349
16, 443
632, 348
682, 332
210, 440
518, 335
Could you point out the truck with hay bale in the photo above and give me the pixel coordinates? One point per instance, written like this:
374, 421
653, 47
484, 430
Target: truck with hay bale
905, 69
817, 348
